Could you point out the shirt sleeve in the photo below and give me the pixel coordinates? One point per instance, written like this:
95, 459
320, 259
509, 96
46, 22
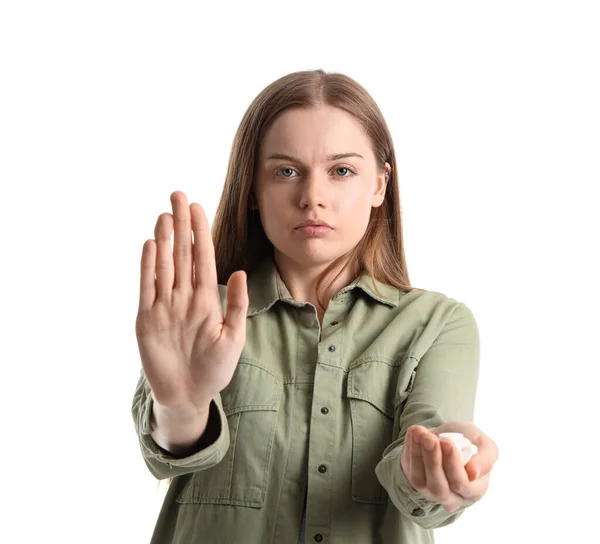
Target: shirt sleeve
161, 463
444, 383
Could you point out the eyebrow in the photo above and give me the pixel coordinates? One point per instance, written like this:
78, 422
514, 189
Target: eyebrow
329, 158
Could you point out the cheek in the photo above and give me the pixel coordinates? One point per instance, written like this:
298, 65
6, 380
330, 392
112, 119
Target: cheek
355, 204
273, 220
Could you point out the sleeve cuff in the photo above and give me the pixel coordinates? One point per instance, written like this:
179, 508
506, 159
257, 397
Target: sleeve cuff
163, 464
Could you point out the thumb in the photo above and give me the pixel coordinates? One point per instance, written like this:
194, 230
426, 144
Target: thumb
482, 462
237, 304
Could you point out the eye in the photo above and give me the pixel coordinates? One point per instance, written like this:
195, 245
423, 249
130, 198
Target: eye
351, 172
284, 170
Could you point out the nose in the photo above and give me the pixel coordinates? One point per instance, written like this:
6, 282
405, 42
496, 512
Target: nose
313, 191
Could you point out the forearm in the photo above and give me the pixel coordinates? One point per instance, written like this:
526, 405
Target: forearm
443, 390
180, 431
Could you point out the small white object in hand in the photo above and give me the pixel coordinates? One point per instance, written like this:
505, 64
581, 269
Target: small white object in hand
463, 444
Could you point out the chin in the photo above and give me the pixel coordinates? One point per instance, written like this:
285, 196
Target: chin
311, 254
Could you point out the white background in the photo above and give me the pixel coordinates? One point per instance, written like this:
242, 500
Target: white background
108, 107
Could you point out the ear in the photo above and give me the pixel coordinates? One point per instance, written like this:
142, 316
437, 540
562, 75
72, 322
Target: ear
382, 181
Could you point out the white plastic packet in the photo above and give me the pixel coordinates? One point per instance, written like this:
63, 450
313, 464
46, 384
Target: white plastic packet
463, 444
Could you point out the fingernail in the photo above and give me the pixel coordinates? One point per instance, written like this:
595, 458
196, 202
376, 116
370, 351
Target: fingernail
429, 444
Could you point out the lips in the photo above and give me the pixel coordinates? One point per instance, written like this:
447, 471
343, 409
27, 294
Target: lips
314, 224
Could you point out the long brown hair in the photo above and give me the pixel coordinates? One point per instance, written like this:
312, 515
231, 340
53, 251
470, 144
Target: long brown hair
239, 239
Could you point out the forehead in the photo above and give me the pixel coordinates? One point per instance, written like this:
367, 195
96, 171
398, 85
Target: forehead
315, 133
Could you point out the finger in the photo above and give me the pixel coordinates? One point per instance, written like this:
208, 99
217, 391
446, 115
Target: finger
437, 484
205, 266
182, 246
472, 490
455, 472
477, 489
147, 281
237, 306
164, 256
417, 467
482, 462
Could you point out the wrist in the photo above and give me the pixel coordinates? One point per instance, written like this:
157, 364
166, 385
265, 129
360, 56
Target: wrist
182, 414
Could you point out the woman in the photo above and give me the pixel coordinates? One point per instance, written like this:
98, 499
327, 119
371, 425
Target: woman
305, 397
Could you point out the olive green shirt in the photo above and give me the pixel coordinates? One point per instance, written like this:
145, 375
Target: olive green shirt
315, 417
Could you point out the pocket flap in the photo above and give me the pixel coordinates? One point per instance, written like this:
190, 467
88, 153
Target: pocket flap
374, 382
382, 384
251, 388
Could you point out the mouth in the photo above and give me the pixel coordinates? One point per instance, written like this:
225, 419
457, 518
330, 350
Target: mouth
314, 230
314, 224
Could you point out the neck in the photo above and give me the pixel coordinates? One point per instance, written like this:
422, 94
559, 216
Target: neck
301, 280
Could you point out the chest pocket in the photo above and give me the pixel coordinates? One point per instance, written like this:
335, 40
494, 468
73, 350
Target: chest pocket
374, 389
251, 402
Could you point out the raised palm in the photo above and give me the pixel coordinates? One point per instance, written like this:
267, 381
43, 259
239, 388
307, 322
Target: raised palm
189, 349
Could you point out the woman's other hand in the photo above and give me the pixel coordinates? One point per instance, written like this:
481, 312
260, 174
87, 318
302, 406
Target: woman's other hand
433, 466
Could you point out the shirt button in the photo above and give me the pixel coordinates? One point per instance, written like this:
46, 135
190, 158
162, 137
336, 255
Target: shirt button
331, 348
322, 469
334, 323
318, 537
324, 410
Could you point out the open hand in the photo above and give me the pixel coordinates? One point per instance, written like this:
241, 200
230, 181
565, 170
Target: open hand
189, 348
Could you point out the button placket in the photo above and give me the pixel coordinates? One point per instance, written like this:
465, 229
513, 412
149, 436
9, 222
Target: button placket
329, 351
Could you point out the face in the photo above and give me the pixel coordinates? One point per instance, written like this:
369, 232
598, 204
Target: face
303, 174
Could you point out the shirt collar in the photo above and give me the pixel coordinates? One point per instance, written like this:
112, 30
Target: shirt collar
265, 288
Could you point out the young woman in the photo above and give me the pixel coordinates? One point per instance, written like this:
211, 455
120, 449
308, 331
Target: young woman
294, 385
